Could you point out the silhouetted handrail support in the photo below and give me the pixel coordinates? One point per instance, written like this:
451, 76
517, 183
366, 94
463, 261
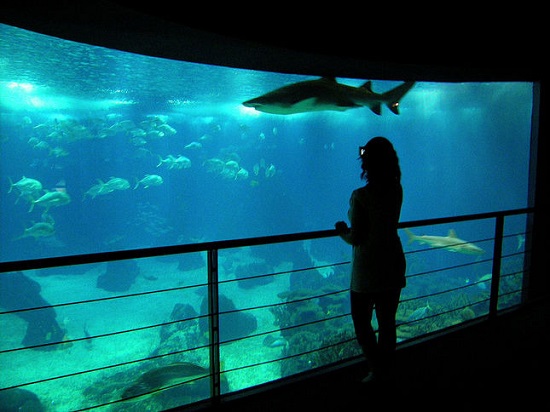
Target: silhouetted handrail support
495, 277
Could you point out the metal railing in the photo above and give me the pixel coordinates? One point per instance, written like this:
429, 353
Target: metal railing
297, 314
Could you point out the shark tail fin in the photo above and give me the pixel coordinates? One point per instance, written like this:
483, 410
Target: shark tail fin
393, 96
410, 235
11, 185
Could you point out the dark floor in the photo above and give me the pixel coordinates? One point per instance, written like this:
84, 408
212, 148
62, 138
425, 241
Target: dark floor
496, 365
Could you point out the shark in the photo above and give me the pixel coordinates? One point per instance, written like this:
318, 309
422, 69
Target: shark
327, 94
451, 242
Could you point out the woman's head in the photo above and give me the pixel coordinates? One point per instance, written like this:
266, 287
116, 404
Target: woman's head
379, 161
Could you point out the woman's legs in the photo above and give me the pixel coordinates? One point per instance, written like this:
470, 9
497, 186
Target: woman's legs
362, 306
379, 353
386, 304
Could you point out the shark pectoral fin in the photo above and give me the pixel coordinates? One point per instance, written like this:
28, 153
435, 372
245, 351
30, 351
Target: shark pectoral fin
347, 104
310, 101
376, 109
394, 107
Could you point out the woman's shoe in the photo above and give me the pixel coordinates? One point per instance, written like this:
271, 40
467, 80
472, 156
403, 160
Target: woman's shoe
369, 378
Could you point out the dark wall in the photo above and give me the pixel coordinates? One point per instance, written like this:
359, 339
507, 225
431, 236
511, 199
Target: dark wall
539, 280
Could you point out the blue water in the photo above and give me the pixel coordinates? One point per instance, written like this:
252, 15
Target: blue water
464, 148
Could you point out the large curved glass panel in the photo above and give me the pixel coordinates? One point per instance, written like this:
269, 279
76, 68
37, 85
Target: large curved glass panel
106, 150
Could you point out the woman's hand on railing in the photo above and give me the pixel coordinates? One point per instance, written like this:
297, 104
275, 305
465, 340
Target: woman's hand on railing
341, 228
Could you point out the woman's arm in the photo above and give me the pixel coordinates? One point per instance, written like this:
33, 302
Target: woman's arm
343, 231
352, 235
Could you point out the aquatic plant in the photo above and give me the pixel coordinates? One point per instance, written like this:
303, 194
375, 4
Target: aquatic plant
300, 342
339, 345
306, 313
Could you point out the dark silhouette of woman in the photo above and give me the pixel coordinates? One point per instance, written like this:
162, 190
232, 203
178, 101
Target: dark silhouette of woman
378, 262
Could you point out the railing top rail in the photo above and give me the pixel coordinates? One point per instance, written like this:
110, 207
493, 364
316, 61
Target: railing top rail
464, 218
70, 260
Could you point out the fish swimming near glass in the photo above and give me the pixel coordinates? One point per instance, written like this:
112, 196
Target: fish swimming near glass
148, 181
275, 342
521, 242
51, 199
420, 313
327, 94
450, 242
484, 282
28, 188
163, 377
40, 229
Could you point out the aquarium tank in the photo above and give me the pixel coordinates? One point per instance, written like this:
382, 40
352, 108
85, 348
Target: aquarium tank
103, 150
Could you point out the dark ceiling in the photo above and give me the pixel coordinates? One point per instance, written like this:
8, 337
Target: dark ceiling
459, 36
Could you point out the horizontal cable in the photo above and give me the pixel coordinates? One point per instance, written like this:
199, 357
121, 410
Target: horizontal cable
435, 315
291, 356
313, 322
103, 368
442, 292
506, 275
286, 272
101, 335
284, 303
427, 249
515, 254
428, 272
512, 292
131, 295
130, 398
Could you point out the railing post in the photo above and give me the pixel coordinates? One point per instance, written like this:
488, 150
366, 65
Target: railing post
213, 317
497, 255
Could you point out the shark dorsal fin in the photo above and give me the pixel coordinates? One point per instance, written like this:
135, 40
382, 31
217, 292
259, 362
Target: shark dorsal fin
367, 85
452, 233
